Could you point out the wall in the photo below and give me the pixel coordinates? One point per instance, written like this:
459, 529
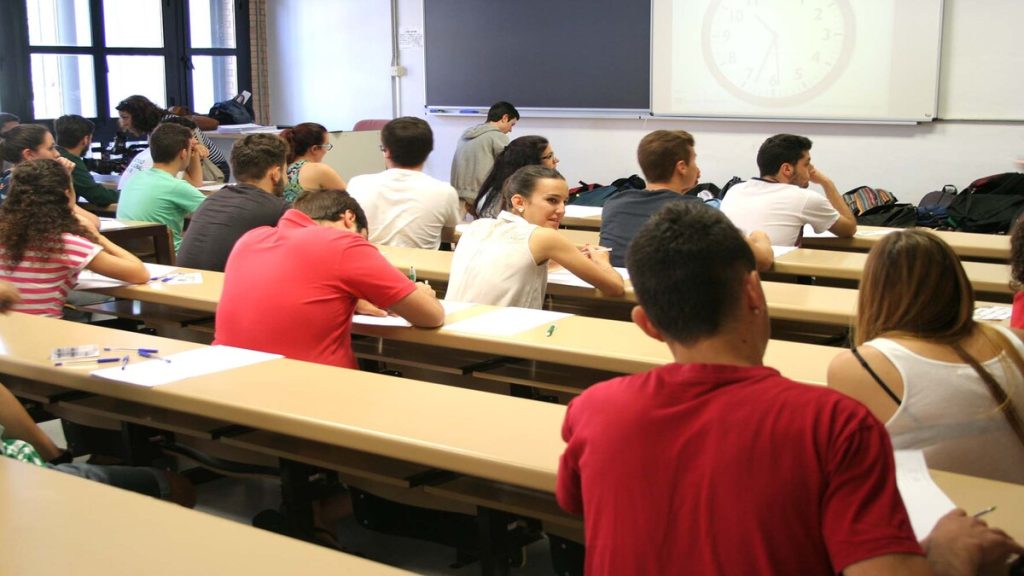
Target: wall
907, 160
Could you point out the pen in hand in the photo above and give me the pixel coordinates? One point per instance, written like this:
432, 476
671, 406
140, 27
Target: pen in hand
981, 513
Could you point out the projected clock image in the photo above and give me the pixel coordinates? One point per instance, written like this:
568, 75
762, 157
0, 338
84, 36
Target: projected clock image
777, 52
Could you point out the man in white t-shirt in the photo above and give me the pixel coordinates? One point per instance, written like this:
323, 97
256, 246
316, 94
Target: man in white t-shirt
404, 206
779, 202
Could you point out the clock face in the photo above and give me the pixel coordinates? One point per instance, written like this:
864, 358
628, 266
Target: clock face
777, 52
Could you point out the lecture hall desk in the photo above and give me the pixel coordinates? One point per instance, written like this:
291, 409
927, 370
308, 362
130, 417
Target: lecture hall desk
55, 523
487, 436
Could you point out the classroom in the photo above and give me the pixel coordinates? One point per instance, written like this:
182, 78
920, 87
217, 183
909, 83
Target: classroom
449, 444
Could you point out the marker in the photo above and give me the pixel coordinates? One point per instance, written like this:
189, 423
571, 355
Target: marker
153, 356
139, 350
981, 513
551, 330
88, 361
467, 111
412, 273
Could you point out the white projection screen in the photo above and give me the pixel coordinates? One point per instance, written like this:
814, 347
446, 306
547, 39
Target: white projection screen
839, 60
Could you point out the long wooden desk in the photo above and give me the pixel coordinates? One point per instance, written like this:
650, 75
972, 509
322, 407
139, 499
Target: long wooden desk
492, 437
985, 277
54, 523
585, 342
122, 232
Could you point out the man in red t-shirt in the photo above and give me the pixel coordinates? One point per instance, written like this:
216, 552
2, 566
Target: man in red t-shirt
292, 289
716, 464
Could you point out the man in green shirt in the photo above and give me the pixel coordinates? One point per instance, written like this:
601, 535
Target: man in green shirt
157, 195
74, 137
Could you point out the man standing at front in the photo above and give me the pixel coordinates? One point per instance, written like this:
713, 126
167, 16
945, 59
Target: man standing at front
478, 147
717, 464
404, 206
292, 289
779, 202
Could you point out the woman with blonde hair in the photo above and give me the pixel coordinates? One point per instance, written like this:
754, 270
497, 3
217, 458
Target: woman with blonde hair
941, 382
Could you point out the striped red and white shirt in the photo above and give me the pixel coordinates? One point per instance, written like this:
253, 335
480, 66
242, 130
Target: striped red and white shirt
44, 279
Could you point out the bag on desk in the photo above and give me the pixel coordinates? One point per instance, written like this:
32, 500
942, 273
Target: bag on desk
989, 205
932, 210
598, 196
892, 215
864, 198
237, 110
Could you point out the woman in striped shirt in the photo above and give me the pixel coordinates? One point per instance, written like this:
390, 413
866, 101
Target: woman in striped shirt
44, 244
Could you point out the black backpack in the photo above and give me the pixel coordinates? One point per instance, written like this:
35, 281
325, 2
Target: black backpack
892, 215
932, 210
232, 111
596, 196
989, 205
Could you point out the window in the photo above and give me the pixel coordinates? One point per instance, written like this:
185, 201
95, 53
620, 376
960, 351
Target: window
84, 56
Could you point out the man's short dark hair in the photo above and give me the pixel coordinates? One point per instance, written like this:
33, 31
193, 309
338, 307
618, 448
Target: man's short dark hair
254, 154
409, 140
660, 151
71, 129
687, 265
167, 141
499, 109
781, 149
329, 205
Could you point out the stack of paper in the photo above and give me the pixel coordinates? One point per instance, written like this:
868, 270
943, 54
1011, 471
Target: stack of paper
563, 277
184, 365
507, 321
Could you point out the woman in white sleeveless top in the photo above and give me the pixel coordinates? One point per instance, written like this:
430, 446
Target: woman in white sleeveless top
503, 261
941, 382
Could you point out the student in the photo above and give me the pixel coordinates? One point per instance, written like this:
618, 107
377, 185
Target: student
779, 203
292, 289
138, 116
32, 142
258, 162
404, 206
941, 382
478, 147
523, 151
503, 261
1017, 274
44, 246
306, 171
155, 195
669, 163
717, 463
143, 161
74, 137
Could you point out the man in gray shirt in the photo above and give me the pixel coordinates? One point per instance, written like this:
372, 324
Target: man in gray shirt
477, 148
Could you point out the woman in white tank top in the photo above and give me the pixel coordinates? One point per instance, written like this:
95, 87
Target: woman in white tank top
941, 382
503, 261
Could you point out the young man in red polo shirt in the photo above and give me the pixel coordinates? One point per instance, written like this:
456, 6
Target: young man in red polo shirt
717, 464
292, 289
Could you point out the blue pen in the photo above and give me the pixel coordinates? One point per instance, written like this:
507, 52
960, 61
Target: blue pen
152, 355
124, 361
88, 361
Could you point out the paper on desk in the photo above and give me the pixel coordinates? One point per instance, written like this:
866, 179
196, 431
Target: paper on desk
925, 501
573, 211
183, 278
185, 365
506, 321
563, 277
810, 233
778, 251
453, 307
993, 313
89, 280
211, 187
367, 320
111, 224
870, 233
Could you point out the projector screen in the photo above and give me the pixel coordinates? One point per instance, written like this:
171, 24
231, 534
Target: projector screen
851, 60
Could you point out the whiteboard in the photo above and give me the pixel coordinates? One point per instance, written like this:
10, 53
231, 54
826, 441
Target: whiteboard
834, 60
982, 74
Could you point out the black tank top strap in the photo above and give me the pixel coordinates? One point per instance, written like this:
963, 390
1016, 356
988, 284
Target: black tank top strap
864, 363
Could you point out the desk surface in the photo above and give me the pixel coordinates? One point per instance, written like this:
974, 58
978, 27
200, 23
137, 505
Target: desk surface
499, 438
54, 523
597, 343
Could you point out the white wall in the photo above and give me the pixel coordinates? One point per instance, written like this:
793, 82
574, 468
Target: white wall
907, 160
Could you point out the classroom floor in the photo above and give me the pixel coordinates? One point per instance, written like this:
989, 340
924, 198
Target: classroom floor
240, 499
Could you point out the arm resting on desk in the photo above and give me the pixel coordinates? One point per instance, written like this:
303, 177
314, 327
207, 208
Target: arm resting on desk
420, 308
591, 266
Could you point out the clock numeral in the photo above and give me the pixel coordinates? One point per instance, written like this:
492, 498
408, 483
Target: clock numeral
737, 15
828, 34
816, 58
798, 74
817, 14
773, 80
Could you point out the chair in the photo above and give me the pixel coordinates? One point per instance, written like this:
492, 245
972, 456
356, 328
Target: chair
370, 124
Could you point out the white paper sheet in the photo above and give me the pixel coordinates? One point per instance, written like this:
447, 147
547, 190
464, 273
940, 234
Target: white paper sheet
211, 187
183, 278
367, 320
994, 313
871, 233
88, 280
810, 233
925, 501
563, 277
184, 365
782, 250
582, 211
453, 307
507, 321
111, 224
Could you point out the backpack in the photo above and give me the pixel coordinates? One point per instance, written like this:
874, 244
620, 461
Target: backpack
233, 111
989, 205
864, 198
932, 209
597, 196
892, 215
732, 182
